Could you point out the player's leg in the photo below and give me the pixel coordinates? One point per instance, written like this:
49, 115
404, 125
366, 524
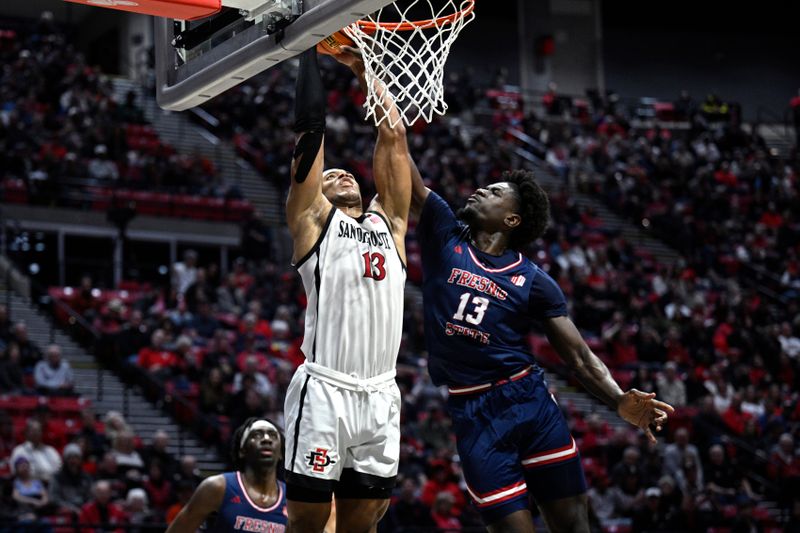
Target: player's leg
516, 522
370, 467
553, 467
312, 452
307, 517
359, 515
569, 514
490, 461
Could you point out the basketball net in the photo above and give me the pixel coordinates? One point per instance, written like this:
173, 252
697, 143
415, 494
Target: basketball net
408, 55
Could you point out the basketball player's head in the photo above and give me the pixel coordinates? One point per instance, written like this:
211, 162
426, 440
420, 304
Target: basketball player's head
341, 188
516, 206
257, 444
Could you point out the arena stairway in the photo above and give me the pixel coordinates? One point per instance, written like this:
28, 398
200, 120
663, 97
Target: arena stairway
144, 417
187, 137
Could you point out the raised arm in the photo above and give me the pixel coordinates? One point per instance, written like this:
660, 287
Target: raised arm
306, 206
205, 500
419, 192
391, 160
638, 408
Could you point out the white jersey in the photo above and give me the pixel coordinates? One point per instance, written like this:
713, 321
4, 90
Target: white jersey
354, 281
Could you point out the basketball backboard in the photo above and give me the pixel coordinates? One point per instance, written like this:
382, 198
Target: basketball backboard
196, 61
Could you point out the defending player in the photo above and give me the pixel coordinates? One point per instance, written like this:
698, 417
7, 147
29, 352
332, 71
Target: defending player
480, 294
251, 498
343, 406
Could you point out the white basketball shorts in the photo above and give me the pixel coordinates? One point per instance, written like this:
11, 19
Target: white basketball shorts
341, 430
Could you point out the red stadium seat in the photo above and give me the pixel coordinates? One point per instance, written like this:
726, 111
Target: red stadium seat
238, 210
68, 406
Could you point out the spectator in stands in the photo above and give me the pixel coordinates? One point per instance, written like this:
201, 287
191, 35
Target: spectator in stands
158, 487
125, 454
443, 512
790, 343
251, 369
158, 450
134, 336
229, 297
670, 386
29, 493
101, 514
187, 471
107, 470
675, 454
183, 493
651, 517
723, 481
435, 429
44, 460
784, 468
442, 481
204, 322
101, 168
629, 466
601, 499
96, 441
71, 486
184, 273
12, 377
138, 513
53, 375
29, 353
115, 423
129, 112
407, 512
156, 358
214, 397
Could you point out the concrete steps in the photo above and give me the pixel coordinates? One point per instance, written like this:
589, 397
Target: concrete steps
105, 390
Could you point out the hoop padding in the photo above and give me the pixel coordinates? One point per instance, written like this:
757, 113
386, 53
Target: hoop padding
408, 55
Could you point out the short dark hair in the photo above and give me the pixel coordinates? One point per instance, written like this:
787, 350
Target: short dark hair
236, 440
534, 207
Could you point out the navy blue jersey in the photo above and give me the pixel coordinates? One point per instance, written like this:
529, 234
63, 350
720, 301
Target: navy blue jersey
239, 513
478, 307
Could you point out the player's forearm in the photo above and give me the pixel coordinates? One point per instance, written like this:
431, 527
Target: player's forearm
387, 105
595, 377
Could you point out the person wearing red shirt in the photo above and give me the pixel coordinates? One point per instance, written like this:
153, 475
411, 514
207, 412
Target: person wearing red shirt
155, 358
441, 481
734, 417
101, 511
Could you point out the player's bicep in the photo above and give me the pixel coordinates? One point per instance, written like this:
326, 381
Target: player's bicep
305, 190
205, 500
392, 170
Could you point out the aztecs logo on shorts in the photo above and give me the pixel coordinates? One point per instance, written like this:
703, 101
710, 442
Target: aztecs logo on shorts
318, 459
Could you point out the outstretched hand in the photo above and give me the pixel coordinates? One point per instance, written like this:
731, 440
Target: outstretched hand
350, 56
643, 411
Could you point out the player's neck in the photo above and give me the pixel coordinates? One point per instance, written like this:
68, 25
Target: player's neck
261, 481
490, 243
354, 211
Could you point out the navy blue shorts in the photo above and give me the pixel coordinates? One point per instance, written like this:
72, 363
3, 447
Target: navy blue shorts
513, 440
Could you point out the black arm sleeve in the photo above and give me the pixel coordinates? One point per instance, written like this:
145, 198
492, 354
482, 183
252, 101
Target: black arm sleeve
309, 103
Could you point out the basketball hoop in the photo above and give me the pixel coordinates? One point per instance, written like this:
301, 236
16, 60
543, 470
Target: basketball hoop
405, 46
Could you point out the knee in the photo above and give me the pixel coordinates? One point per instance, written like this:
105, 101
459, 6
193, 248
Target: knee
364, 521
307, 522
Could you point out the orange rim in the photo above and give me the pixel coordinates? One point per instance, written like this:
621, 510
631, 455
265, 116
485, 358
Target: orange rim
371, 27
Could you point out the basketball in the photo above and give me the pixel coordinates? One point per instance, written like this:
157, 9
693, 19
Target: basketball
332, 44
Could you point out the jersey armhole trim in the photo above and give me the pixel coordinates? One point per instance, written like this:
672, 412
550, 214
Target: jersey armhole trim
319, 240
391, 231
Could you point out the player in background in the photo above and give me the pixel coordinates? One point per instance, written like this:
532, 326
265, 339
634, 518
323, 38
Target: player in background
251, 498
480, 297
343, 405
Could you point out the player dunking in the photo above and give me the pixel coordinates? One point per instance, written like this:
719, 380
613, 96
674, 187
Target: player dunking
480, 294
251, 498
343, 405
